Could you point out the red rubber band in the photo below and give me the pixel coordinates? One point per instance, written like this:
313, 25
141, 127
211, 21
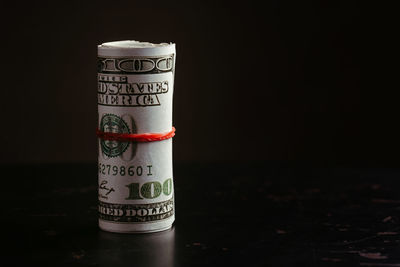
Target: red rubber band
145, 137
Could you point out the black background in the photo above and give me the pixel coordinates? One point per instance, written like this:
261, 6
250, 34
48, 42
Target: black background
261, 84
254, 82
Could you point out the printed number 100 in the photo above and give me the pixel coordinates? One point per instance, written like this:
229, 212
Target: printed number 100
149, 190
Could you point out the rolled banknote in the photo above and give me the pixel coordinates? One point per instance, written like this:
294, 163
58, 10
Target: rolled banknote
135, 89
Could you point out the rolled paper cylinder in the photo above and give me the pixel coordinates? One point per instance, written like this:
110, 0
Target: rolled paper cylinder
135, 89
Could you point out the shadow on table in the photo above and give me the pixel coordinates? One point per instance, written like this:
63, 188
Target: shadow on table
155, 249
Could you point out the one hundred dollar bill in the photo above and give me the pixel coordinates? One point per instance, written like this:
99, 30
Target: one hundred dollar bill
134, 94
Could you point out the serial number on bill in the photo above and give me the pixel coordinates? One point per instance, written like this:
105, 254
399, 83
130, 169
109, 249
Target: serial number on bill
116, 170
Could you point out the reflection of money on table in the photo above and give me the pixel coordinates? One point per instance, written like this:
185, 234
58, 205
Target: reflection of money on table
135, 89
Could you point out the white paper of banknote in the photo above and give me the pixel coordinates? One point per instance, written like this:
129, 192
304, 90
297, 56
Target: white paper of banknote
135, 90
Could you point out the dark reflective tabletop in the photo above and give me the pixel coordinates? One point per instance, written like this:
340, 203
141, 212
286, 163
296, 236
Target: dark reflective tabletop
264, 214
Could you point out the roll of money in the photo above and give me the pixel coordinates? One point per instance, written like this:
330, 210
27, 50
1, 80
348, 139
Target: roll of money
135, 89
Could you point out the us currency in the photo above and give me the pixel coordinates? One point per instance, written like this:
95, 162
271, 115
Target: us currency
135, 90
